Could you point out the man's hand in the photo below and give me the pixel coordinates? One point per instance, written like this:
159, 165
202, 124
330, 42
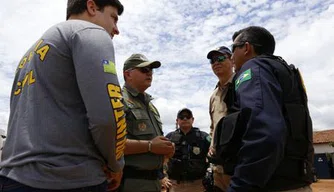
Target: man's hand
212, 151
170, 155
162, 146
166, 183
113, 179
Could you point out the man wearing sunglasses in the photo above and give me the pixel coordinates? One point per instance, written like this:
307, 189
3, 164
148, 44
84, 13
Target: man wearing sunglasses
222, 67
188, 165
146, 146
265, 141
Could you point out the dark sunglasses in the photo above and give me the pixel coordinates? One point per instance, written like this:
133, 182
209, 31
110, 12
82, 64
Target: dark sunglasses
218, 59
182, 117
145, 69
235, 45
240, 44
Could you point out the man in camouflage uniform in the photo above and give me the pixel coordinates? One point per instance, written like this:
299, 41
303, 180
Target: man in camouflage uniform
146, 146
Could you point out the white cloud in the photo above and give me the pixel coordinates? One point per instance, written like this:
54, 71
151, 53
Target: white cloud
180, 34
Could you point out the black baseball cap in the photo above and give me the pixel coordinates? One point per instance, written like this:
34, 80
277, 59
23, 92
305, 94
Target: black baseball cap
184, 110
222, 49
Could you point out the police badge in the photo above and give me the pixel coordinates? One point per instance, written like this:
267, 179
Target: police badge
142, 126
196, 150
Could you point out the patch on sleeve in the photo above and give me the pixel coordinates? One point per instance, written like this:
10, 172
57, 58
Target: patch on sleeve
208, 138
151, 106
109, 67
245, 76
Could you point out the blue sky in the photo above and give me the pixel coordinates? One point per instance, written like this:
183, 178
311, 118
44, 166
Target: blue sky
180, 34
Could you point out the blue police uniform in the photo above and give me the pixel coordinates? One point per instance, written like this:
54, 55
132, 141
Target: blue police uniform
259, 131
263, 146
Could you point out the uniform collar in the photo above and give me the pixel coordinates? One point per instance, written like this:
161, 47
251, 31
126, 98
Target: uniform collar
190, 131
230, 80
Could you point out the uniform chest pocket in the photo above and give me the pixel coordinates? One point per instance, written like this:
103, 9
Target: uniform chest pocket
141, 127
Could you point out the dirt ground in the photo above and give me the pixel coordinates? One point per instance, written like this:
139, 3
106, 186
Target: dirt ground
323, 185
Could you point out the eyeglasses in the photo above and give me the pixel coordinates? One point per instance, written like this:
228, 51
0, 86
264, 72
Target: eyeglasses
182, 117
218, 59
235, 45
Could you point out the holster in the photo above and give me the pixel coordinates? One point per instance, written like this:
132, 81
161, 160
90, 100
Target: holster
229, 132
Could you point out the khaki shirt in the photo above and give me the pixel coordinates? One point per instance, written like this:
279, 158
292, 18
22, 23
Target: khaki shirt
143, 123
217, 106
218, 110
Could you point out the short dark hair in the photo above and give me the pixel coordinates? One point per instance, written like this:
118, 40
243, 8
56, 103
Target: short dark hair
79, 6
262, 40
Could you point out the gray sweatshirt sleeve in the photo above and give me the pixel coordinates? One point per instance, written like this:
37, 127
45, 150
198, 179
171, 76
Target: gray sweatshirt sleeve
93, 57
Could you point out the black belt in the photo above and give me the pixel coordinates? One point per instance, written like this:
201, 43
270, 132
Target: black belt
133, 173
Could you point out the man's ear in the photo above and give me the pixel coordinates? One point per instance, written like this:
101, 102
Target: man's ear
249, 49
126, 74
91, 7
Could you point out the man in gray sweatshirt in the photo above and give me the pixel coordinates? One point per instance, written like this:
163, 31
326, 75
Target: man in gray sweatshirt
67, 127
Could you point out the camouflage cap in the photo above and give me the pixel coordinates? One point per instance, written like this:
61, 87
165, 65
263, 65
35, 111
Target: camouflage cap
139, 60
222, 49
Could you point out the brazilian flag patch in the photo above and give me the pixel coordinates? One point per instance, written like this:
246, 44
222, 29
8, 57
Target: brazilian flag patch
109, 67
245, 76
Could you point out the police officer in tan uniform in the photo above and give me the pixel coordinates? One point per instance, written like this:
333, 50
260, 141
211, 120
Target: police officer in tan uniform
222, 66
146, 147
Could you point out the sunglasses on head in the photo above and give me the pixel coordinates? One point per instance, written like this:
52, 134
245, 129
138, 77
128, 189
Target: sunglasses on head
218, 59
184, 117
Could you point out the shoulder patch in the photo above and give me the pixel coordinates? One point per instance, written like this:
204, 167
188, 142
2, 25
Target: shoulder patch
245, 76
208, 138
151, 106
109, 67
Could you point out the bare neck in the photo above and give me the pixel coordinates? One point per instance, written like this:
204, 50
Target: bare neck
134, 86
224, 79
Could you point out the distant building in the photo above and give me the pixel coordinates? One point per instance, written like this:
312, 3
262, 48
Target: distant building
324, 153
322, 140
